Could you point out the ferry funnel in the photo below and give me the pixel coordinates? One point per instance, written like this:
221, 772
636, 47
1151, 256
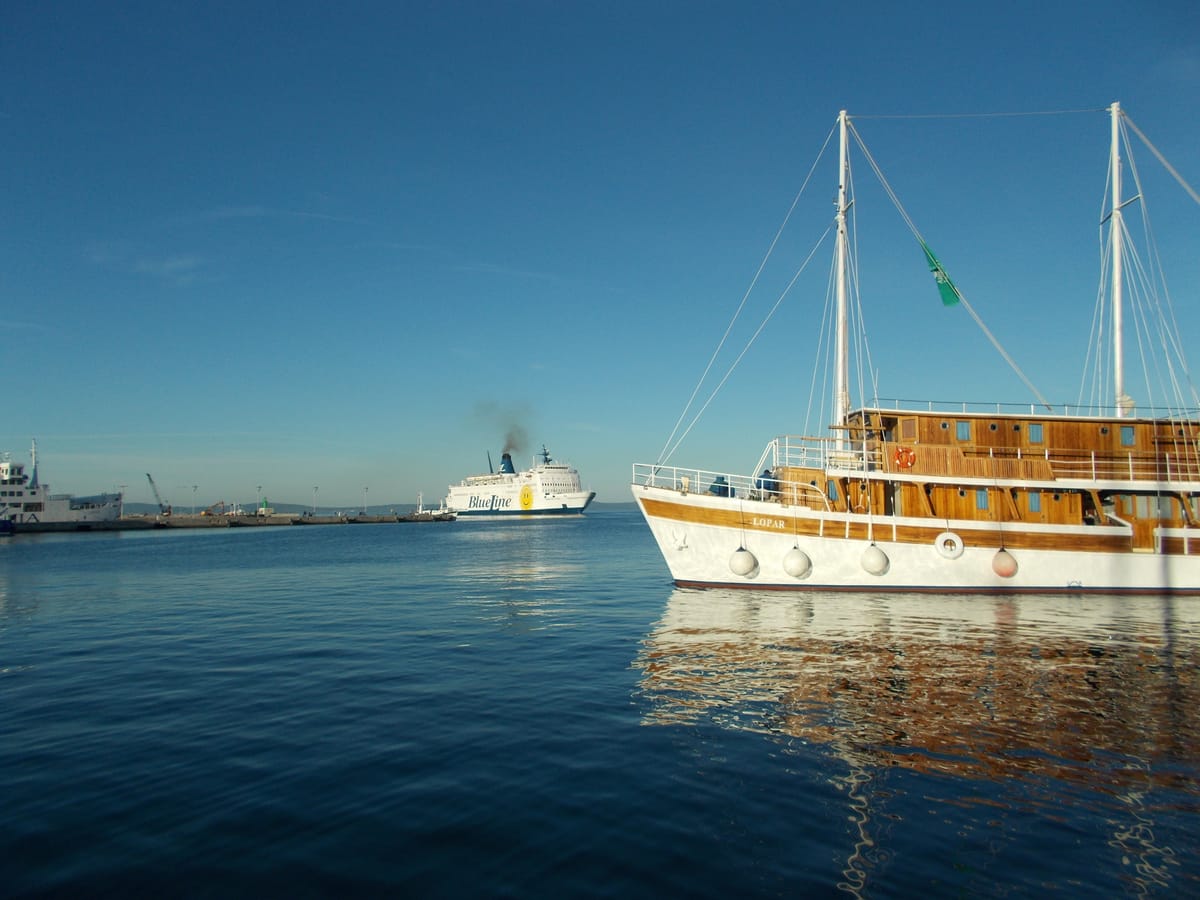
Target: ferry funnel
506, 464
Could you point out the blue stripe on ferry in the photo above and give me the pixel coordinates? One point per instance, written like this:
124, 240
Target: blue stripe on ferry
506, 513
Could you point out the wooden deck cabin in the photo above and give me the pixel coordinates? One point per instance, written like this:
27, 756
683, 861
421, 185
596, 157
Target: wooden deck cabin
1053, 470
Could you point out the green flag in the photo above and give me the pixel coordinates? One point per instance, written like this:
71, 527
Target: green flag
950, 294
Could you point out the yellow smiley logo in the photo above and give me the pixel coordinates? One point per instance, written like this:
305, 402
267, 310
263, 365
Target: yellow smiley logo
526, 497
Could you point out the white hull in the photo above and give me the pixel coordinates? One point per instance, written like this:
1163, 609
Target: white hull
65, 513
700, 554
546, 489
505, 502
30, 506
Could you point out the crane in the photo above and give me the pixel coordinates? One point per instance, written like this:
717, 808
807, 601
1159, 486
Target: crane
163, 508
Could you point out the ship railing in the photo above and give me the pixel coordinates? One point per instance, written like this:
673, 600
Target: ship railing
807, 452
1062, 410
1182, 465
1131, 466
785, 465
763, 487
1178, 463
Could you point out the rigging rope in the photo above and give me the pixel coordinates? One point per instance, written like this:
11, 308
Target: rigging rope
746, 349
995, 115
664, 454
676, 437
1162, 159
963, 300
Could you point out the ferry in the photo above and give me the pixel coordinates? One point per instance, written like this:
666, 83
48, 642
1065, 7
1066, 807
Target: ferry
548, 488
1102, 496
28, 505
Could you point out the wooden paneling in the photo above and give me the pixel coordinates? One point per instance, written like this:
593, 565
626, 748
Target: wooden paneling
1007, 536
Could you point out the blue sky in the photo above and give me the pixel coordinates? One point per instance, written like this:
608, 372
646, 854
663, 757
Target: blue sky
304, 244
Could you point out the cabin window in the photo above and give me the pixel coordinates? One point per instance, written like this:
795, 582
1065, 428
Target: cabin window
1035, 501
962, 431
1035, 432
1154, 507
908, 429
981, 498
1126, 435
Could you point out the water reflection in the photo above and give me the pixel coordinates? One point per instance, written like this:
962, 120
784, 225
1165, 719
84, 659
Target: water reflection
517, 574
1094, 695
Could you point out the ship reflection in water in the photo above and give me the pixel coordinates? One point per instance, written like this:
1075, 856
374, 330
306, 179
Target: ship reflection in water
1057, 698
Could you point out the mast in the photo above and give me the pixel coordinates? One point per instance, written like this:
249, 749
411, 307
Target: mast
841, 398
1124, 402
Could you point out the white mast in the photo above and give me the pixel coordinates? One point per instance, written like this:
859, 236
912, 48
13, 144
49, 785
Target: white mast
1123, 401
841, 398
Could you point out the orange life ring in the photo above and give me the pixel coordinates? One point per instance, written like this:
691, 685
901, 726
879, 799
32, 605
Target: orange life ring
904, 457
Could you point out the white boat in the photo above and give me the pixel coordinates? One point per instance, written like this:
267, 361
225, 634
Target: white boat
29, 505
1102, 497
547, 488
421, 514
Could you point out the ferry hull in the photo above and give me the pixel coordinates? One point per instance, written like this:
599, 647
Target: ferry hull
699, 536
496, 507
69, 514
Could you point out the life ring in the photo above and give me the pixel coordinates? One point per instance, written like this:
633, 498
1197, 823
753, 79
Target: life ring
904, 457
949, 545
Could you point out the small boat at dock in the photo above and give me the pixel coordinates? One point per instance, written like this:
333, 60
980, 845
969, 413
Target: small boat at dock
421, 514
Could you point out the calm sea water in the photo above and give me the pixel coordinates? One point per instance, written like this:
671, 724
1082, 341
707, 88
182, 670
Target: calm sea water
531, 709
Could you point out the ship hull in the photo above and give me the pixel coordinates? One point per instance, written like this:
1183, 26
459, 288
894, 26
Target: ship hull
699, 537
66, 513
507, 504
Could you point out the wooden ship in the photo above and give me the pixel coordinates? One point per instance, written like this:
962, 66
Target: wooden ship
906, 496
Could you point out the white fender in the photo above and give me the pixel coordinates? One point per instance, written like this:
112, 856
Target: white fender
797, 563
1004, 564
875, 561
743, 562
